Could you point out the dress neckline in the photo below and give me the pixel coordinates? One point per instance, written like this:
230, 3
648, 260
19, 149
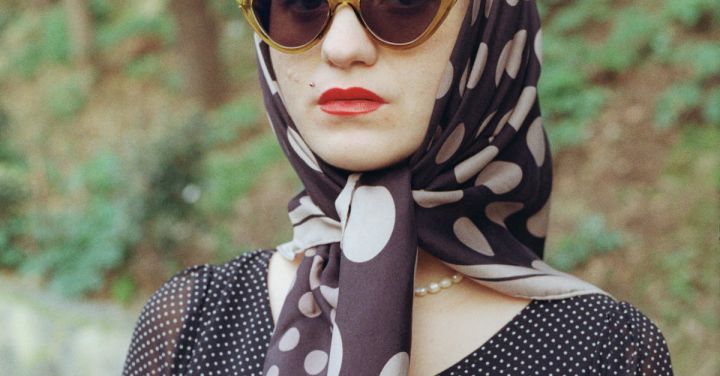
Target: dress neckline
482, 348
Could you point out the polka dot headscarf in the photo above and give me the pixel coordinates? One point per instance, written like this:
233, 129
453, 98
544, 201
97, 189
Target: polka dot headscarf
475, 195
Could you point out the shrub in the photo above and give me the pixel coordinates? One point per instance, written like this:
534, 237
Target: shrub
711, 108
232, 121
135, 24
11, 229
68, 96
77, 245
591, 237
674, 102
14, 185
41, 39
569, 103
231, 176
13, 188
632, 34
690, 12
699, 94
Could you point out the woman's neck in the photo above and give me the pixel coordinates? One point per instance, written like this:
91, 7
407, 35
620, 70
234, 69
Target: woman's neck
430, 269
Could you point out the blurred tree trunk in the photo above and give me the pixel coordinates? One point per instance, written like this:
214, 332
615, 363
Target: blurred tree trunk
80, 27
198, 51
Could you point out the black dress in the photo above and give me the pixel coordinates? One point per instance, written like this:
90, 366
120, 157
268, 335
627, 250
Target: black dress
216, 320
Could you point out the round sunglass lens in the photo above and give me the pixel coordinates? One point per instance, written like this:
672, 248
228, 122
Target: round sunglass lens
399, 21
291, 23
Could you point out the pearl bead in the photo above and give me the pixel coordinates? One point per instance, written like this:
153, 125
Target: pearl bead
435, 287
445, 282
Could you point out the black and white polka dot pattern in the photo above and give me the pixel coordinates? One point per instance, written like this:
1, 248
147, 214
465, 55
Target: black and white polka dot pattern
585, 335
216, 320
206, 320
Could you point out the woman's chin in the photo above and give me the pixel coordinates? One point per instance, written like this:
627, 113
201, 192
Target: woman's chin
362, 143
360, 160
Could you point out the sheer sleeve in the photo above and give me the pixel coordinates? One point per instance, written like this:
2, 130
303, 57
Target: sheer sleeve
163, 335
633, 345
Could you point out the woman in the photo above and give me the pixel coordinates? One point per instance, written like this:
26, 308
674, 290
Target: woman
416, 131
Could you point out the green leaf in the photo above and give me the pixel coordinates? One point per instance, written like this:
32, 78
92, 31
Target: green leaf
711, 108
123, 288
230, 176
591, 237
68, 96
629, 40
230, 122
674, 102
690, 12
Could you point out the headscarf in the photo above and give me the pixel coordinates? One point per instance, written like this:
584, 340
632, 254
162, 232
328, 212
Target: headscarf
475, 195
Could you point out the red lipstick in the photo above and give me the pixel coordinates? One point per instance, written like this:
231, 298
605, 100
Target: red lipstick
350, 101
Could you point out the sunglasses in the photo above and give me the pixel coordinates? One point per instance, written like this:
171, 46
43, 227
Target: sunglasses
295, 26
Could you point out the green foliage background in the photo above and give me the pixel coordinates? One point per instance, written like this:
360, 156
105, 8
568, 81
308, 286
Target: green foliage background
111, 180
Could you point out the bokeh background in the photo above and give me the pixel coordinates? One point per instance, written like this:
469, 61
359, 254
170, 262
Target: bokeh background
133, 144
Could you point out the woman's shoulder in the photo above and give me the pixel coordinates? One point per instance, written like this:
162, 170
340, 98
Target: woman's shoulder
195, 302
624, 339
633, 338
254, 262
602, 317
245, 274
245, 270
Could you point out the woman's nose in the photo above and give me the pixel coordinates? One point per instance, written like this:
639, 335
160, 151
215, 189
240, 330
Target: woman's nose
347, 42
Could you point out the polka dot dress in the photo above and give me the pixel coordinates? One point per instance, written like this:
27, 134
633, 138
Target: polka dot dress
216, 320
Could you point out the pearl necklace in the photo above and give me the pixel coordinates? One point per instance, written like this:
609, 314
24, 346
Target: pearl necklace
435, 287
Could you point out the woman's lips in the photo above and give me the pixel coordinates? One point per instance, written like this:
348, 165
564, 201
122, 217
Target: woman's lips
350, 101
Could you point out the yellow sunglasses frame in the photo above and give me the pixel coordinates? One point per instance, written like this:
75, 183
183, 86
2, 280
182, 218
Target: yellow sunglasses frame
333, 5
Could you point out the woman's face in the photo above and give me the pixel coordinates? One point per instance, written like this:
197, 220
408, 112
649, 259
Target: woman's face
365, 135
